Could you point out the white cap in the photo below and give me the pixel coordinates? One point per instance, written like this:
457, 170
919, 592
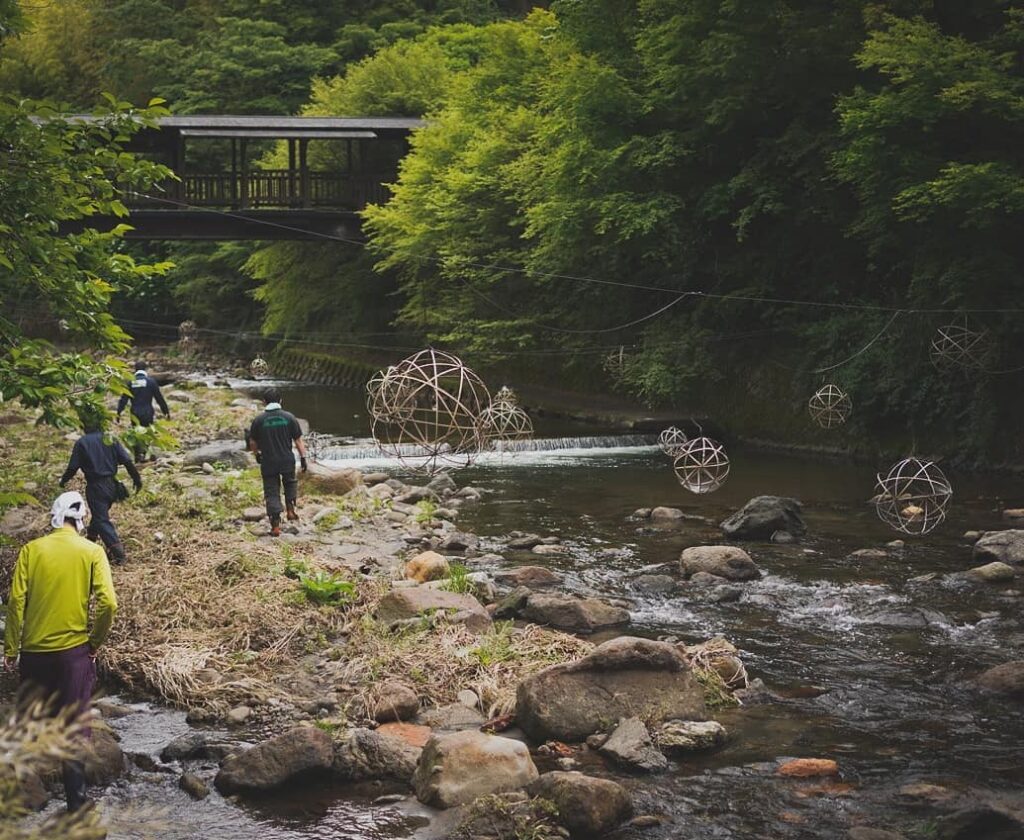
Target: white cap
68, 505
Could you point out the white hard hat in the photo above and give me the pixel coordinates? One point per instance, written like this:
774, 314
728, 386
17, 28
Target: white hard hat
68, 505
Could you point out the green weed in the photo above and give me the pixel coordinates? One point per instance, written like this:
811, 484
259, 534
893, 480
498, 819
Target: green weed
458, 579
325, 588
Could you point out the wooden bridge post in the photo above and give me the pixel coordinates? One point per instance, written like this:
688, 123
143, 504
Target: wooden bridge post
291, 172
243, 181
304, 185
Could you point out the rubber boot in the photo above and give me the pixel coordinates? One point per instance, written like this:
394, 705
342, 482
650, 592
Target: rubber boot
275, 526
116, 553
74, 784
293, 515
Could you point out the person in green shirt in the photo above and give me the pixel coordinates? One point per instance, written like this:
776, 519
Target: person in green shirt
48, 637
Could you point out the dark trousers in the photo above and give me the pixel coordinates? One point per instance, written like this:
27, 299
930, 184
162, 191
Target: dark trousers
65, 679
144, 417
100, 495
274, 476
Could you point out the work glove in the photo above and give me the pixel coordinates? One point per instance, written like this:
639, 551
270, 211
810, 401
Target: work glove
305, 466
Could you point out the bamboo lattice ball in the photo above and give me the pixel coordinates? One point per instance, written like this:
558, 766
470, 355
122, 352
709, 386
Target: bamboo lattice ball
259, 367
702, 465
830, 406
432, 412
504, 421
385, 396
671, 440
913, 496
506, 395
186, 330
960, 346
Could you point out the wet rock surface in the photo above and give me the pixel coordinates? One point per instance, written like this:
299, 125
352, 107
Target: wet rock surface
587, 806
1004, 546
630, 746
574, 615
301, 750
726, 562
363, 754
764, 516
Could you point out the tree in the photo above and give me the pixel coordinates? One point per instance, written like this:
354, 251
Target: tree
55, 169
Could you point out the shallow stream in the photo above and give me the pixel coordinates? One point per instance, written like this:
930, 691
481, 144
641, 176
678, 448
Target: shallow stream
872, 667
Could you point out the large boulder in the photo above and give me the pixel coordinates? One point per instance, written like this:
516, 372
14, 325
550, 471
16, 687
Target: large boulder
414, 601
723, 561
1004, 546
624, 677
366, 755
330, 480
764, 516
994, 572
456, 768
300, 750
396, 702
587, 807
1007, 678
21, 522
232, 453
575, 615
630, 745
535, 577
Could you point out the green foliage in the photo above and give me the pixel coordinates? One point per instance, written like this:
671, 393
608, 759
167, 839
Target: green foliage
457, 579
496, 646
55, 170
426, 509
326, 588
155, 436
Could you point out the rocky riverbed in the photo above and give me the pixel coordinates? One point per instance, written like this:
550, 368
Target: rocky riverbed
382, 656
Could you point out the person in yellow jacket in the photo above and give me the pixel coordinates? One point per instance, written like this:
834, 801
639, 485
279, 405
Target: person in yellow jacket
48, 637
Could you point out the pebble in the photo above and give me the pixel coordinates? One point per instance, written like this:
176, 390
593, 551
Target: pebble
208, 468
239, 715
193, 786
468, 698
803, 768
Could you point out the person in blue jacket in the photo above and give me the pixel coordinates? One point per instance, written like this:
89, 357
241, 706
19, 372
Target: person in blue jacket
99, 459
143, 390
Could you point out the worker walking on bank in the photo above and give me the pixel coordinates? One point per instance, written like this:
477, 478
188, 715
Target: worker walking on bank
47, 636
99, 460
271, 437
143, 390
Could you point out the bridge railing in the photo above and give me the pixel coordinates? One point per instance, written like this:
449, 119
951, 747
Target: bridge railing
268, 188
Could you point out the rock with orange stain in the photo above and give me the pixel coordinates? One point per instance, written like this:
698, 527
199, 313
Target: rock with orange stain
825, 789
413, 735
803, 768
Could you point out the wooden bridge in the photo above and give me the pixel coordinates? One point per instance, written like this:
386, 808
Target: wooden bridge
336, 166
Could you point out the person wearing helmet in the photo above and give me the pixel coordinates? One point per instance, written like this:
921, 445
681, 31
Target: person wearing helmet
99, 460
47, 638
143, 389
271, 437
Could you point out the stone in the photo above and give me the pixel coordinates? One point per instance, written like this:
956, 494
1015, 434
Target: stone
412, 495
428, 565
373, 478
864, 833
630, 746
397, 702
238, 715
301, 750
706, 579
34, 794
1014, 516
805, 768
457, 768
575, 615
193, 786
926, 792
104, 760
178, 396
552, 550
725, 561
666, 514
380, 492
459, 541
1007, 678
365, 754
979, 822
524, 542
972, 536
1005, 546
231, 453
642, 513
512, 604
468, 698
869, 554
410, 602
198, 745
442, 483
655, 584
762, 516
21, 522
994, 572
588, 807
254, 514
454, 717
624, 677
683, 736
332, 481
535, 577
411, 733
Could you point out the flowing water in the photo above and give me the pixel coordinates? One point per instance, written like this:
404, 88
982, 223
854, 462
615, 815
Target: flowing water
871, 666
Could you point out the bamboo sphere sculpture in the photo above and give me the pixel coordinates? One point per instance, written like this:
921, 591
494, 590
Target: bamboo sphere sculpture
505, 395
504, 421
960, 346
615, 362
431, 415
386, 394
702, 465
259, 367
913, 496
830, 406
672, 440
186, 330
63, 325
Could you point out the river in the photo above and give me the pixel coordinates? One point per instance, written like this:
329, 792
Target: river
872, 666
